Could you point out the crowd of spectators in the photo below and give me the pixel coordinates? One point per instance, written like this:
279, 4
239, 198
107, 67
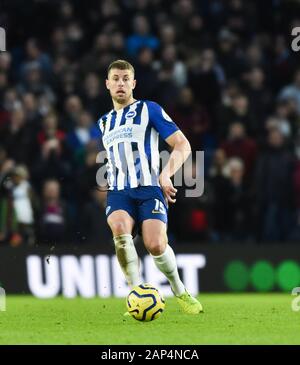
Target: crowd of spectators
224, 70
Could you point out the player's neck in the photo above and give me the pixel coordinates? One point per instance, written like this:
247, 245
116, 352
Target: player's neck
118, 106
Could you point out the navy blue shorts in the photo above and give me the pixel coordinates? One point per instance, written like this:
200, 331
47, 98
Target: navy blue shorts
141, 203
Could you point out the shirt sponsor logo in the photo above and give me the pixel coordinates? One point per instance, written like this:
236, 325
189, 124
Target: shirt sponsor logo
124, 132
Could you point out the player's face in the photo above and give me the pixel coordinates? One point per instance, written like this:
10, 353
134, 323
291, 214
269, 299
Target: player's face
120, 84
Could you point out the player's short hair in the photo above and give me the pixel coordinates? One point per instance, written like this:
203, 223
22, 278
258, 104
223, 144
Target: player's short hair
120, 65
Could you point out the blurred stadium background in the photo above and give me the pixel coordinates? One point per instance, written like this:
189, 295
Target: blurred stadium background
224, 70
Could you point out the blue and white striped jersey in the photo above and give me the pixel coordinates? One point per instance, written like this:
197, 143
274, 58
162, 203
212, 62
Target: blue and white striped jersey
130, 137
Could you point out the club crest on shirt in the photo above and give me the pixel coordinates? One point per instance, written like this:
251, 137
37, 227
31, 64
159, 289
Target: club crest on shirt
131, 114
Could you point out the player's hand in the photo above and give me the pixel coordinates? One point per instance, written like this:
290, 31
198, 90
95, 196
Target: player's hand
168, 188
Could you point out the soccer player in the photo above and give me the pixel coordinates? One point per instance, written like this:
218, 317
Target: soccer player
138, 194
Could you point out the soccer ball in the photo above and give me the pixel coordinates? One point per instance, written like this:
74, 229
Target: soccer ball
145, 303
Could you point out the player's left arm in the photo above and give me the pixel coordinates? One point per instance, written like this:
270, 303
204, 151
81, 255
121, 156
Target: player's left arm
181, 150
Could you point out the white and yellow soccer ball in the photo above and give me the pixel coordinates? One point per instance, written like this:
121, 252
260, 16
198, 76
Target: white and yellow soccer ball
145, 303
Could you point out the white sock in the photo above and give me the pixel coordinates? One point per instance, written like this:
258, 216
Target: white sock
128, 258
166, 263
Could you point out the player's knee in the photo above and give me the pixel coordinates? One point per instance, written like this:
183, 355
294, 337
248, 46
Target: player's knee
156, 246
118, 227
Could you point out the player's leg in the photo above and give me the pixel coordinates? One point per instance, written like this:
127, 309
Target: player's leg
120, 218
156, 242
152, 217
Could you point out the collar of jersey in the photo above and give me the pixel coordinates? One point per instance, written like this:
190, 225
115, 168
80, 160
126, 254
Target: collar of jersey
124, 106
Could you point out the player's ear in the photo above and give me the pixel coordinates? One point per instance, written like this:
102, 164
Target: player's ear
107, 83
133, 84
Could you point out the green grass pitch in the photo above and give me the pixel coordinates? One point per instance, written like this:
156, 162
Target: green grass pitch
228, 319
